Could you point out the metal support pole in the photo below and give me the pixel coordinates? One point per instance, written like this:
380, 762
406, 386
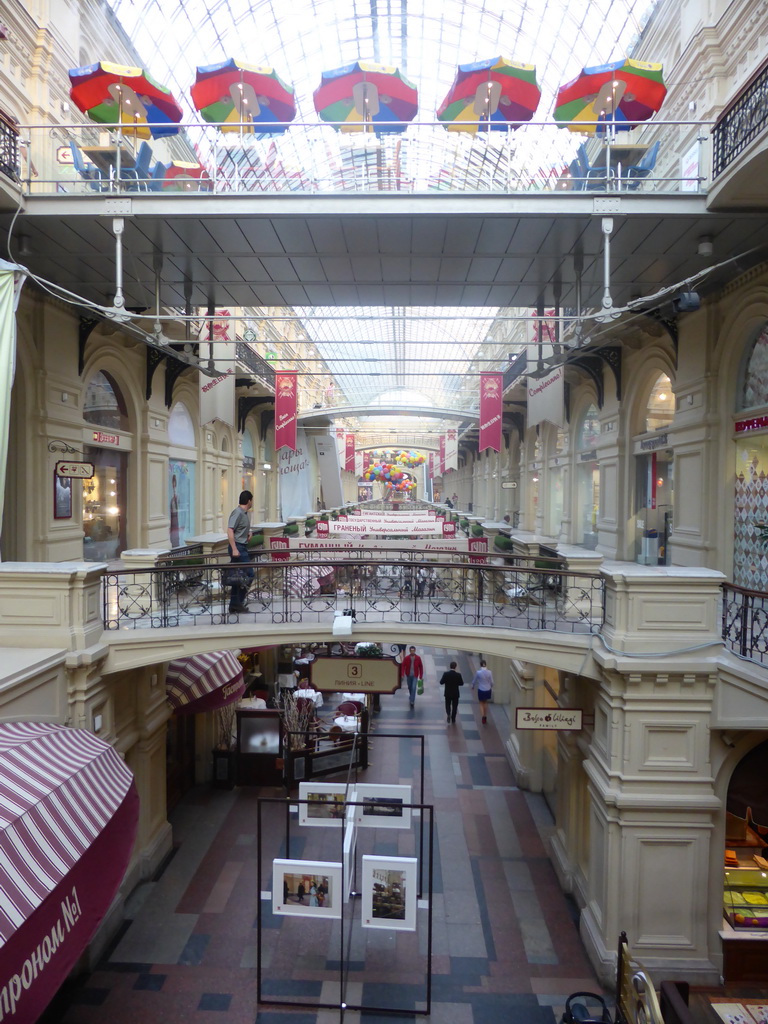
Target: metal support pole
118, 225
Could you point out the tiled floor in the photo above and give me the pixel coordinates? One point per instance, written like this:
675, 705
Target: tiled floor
505, 945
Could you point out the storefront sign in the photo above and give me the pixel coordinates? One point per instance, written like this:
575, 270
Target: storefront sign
548, 718
78, 470
590, 456
355, 675
278, 547
756, 423
652, 443
99, 437
478, 544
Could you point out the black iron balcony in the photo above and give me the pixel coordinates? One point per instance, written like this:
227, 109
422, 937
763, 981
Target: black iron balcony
9, 148
741, 122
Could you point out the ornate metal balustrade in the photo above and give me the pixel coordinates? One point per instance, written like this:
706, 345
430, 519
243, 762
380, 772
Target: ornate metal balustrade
9, 148
317, 586
741, 122
745, 622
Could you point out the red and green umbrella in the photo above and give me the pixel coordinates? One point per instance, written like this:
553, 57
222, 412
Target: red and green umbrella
616, 94
490, 95
233, 93
118, 94
375, 94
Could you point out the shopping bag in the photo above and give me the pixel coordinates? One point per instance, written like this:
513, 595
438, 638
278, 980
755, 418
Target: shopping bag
419, 685
235, 577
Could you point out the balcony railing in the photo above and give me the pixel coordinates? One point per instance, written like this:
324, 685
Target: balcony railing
257, 365
745, 622
741, 122
9, 148
314, 588
314, 159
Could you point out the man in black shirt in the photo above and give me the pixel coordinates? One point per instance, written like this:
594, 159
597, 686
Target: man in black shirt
451, 680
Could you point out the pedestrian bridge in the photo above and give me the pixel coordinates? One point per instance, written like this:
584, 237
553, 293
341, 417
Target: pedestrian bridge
573, 621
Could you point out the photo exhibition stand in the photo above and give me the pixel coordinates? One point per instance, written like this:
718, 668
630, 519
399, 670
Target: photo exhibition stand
339, 867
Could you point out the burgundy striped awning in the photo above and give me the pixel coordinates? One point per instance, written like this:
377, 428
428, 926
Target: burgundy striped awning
204, 682
68, 817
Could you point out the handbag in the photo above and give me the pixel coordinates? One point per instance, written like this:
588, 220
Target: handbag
419, 685
237, 576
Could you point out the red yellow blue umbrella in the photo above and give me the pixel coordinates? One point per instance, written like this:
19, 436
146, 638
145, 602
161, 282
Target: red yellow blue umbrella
118, 94
615, 95
490, 95
233, 93
375, 94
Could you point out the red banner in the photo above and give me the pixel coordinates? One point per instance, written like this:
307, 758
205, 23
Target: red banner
286, 405
349, 453
431, 465
491, 386
366, 460
442, 454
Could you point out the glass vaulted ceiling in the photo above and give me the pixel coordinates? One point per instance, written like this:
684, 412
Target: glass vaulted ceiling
385, 356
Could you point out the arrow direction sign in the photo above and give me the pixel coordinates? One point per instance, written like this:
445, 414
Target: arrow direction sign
78, 470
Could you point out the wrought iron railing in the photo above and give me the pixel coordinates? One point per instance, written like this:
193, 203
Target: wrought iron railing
256, 364
9, 148
312, 588
745, 622
741, 122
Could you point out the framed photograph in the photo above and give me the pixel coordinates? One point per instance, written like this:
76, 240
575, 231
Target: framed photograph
62, 497
389, 893
326, 803
306, 888
382, 806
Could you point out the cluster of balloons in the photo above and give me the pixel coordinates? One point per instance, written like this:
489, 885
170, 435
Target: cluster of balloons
388, 473
401, 457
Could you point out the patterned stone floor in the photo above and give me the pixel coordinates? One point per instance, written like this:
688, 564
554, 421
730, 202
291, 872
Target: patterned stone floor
504, 940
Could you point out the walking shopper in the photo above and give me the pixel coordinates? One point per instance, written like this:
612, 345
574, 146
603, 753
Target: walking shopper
412, 670
484, 682
451, 680
238, 533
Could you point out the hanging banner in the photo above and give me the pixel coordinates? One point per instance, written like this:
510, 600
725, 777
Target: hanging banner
295, 478
217, 394
11, 280
341, 444
431, 466
451, 449
542, 338
359, 464
286, 406
442, 454
545, 398
349, 453
491, 385
330, 473
366, 460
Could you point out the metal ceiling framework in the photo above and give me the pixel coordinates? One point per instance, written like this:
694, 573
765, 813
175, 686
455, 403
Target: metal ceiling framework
411, 265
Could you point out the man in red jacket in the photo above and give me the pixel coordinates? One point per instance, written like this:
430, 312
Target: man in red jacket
411, 670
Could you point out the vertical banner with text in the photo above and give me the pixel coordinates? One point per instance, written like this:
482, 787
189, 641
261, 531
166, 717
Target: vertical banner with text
286, 407
431, 466
442, 454
490, 411
451, 449
546, 398
349, 453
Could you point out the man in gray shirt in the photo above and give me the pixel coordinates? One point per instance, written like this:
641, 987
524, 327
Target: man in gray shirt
238, 532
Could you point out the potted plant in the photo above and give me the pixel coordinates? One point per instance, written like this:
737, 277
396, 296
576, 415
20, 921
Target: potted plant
368, 650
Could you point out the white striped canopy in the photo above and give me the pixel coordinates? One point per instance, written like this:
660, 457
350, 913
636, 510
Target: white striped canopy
204, 682
69, 811
59, 789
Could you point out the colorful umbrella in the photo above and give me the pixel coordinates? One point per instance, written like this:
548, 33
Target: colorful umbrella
363, 91
117, 94
233, 93
614, 94
490, 95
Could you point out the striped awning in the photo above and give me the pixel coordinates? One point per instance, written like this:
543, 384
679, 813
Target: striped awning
204, 682
68, 817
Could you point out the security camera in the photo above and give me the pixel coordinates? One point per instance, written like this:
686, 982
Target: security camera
686, 302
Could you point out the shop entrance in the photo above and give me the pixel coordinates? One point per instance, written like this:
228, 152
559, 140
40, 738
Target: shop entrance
654, 507
104, 504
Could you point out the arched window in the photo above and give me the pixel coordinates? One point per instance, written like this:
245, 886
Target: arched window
104, 405
181, 430
661, 404
754, 388
589, 431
